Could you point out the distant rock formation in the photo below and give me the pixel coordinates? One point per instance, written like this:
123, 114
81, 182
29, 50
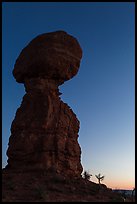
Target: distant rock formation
44, 133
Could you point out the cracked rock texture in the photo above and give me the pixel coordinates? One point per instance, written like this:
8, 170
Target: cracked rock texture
44, 133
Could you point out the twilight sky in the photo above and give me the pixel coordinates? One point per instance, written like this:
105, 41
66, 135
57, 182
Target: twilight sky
101, 94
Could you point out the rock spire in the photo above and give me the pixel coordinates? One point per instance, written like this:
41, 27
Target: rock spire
44, 133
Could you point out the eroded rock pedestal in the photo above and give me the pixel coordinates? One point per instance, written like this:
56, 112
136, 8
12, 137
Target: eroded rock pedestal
44, 133
44, 154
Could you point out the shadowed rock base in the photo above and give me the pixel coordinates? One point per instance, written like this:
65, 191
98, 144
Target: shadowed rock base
53, 187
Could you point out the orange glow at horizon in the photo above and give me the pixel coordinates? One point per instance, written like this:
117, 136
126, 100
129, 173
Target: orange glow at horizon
124, 185
117, 184
127, 183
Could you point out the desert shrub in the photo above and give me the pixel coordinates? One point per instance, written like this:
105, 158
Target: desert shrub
99, 177
86, 175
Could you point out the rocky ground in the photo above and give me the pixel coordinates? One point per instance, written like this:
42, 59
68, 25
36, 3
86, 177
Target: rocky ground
52, 187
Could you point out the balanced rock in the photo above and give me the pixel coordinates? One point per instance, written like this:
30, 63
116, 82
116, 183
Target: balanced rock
53, 55
44, 133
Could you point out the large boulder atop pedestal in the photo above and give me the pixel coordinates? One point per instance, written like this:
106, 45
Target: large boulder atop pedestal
53, 55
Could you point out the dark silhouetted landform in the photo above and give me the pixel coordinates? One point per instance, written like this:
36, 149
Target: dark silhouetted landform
44, 157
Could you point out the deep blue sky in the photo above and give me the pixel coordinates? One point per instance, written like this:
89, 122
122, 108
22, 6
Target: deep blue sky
102, 93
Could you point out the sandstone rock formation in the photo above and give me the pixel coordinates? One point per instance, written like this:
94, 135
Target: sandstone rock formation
44, 133
44, 154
